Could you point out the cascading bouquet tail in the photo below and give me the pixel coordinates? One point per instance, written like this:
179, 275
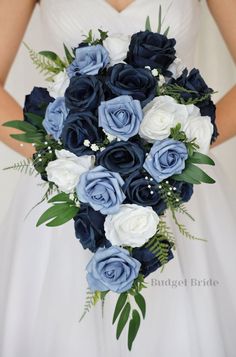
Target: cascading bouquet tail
118, 135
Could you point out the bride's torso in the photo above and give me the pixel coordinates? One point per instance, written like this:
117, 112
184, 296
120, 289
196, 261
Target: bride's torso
66, 21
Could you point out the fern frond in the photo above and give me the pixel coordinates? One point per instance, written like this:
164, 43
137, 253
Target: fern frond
46, 66
183, 230
182, 209
160, 248
166, 232
24, 166
89, 303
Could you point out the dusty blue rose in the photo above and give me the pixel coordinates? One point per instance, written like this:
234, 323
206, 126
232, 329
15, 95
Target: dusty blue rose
55, 117
101, 189
112, 269
88, 60
120, 116
166, 158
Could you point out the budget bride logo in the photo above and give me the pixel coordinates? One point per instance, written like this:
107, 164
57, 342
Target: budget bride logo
185, 282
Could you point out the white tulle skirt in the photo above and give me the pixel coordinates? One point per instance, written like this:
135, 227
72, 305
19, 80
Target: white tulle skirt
191, 305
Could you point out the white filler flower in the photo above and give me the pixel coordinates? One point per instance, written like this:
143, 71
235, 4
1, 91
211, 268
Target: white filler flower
60, 84
65, 171
117, 45
133, 225
162, 114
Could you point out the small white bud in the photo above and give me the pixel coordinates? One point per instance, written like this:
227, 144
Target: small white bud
155, 72
94, 147
86, 143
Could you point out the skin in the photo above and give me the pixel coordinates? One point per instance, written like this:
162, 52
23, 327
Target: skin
14, 26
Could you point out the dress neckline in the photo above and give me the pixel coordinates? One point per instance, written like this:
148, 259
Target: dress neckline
112, 8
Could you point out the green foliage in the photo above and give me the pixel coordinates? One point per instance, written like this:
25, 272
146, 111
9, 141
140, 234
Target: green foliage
47, 62
62, 211
175, 91
89, 302
123, 319
134, 325
91, 40
119, 306
193, 174
30, 133
24, 166
140, 301
36, 120
166, 232
69, 57
158, 246
148, 24
183, 230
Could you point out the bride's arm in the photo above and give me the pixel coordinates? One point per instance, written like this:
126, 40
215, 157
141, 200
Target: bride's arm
224, 13
14, 18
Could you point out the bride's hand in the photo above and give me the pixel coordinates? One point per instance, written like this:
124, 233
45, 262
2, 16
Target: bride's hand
14, 18
224, 13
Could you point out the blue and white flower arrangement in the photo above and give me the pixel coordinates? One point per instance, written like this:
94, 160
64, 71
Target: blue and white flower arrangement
118, 135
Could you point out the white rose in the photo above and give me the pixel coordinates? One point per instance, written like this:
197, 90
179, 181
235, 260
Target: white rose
117, 45
59, 85
176, 68
200, 128
162, 114
133, 225
65, 171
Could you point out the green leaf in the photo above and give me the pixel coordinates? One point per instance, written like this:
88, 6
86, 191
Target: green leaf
199, 158
28, 137
159, 20
35, 119
69, 56
133, 328
124, 316
119, 306
198, 174
64, 217
53, 57
166, 31
148, 24
140, 301
57, 211
20, 125
184, 177
61, 197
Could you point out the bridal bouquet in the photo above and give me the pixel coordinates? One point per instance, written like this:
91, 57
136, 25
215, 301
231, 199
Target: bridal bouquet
118, 135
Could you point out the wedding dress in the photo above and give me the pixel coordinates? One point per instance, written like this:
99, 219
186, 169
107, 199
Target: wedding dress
42, 270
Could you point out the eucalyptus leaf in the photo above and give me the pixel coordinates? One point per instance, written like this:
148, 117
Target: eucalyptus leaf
199, 158
20, 125
124, 316
64, 216
52, 212
35, 119
140, 301
28, 137
53, 57
133, 328
198, 174
119, 306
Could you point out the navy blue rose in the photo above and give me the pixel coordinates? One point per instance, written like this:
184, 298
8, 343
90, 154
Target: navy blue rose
102, 189
84, 93
194, 82
166, 158
120, 116
184, 189
144, 192
122, 156
139, 83
112, 269
55, 117
80, 126
149, 261
88, 60
36, 103
89, 228
151, 49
